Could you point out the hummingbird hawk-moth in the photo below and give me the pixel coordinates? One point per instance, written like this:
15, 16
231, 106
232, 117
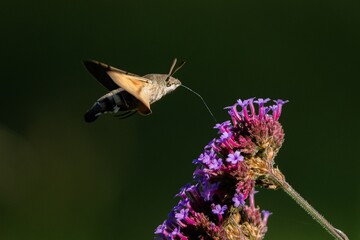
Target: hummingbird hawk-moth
129, 93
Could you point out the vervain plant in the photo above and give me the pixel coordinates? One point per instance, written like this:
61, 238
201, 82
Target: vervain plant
219, 204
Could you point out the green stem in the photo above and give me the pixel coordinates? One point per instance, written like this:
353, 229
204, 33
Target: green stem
336, 233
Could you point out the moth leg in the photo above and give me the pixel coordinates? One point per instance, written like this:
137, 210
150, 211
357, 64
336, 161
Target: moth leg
125, 114
122, 114
128, 115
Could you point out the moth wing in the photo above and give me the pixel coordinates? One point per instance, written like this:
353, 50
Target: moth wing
113, 78
133, 85
99, 71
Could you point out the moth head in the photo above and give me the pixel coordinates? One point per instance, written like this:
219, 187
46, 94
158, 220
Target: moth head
171, 84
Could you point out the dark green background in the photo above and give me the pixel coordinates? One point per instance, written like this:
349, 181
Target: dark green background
61, 178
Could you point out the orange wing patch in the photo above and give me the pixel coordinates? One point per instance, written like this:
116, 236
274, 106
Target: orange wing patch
133, 85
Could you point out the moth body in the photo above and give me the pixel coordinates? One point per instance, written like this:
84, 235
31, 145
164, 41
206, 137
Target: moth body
159, 87
129, 93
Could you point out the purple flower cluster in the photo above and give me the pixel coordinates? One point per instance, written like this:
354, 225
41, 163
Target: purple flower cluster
214, 206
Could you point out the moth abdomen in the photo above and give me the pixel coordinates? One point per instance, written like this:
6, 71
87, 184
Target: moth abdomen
93, 113
115, 101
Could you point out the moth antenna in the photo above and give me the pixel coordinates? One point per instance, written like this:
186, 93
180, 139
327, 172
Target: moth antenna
212, 115
178, 67
174, 68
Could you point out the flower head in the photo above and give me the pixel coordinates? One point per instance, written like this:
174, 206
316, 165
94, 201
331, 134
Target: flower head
220, 203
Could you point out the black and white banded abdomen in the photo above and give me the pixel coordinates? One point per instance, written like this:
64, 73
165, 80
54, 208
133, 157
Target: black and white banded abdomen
115, 101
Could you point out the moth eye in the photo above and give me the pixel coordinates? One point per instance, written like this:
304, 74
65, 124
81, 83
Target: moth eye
168, 83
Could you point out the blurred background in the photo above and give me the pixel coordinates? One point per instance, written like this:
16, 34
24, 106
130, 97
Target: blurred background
61, 178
